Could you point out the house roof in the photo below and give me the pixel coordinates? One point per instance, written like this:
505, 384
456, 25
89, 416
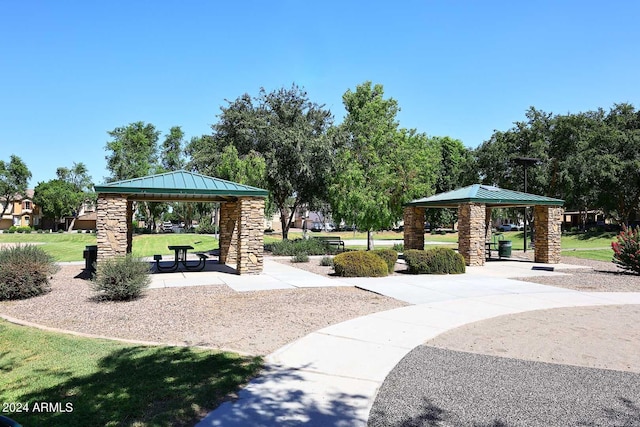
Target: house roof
180, 185
489, 195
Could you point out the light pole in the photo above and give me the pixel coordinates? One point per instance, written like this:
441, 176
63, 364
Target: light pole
526, 162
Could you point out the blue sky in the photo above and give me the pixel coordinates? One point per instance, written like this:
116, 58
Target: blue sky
72, 70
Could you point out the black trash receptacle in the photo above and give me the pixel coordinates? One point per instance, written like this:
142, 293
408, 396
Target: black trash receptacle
504, 248
90, 255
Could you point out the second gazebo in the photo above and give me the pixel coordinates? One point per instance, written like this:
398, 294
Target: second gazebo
474, 204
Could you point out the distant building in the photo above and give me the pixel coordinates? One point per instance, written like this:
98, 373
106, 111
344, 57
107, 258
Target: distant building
22, 212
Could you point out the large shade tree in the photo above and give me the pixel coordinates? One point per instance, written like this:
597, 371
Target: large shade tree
14, 179
57, 199
378, 166
80, 180
282, 130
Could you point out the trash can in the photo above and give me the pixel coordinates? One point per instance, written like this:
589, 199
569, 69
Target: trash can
504, 248
90, 255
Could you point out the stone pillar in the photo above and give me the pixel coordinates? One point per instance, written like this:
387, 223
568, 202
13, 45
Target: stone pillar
129, 226
546, 222
487, 225
228, 232
471, 232
250, 235
111, 225
414, 227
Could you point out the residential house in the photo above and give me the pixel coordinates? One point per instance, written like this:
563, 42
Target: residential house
22, 212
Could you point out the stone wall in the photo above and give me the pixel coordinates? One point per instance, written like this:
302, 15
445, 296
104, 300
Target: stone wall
414, 227
471, 233
250, 235
547, 221
228, 232
111, 223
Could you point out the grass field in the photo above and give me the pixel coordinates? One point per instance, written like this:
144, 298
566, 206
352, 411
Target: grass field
108, 383
69, 246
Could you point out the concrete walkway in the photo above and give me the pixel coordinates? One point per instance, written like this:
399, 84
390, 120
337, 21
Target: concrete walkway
330, 377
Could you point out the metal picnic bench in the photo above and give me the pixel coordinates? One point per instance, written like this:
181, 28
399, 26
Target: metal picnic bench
181, 258
332, 241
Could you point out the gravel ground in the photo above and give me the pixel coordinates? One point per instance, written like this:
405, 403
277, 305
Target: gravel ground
438, 387
213, 316
602, 277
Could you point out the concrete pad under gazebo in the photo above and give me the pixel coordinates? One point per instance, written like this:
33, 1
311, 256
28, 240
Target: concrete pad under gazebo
474, 204
241, 213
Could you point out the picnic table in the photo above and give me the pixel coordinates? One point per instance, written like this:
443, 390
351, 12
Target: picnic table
180, 257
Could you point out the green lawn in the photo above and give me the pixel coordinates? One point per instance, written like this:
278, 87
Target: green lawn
108, 383
62, 246
70, 246
149, 244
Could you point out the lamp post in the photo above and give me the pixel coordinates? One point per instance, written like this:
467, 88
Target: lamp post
526, 162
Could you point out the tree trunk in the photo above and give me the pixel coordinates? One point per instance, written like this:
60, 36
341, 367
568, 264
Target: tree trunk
369, 240
283, 224
73, 223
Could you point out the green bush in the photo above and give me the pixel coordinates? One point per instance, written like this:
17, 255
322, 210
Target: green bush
12, 229
299, 246
326, 261
434, 261
25, 272
204, 228
389, 256
398, 247
121, 278
626, 250
359, 264
300, 258
24, 229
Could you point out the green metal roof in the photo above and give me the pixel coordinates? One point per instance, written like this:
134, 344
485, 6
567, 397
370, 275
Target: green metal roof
180, 185
489, 195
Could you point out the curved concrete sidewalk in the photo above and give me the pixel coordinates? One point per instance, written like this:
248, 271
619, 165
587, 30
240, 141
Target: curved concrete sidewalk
331, 377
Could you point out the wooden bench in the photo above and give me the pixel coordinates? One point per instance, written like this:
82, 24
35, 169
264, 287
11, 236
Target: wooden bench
331, 241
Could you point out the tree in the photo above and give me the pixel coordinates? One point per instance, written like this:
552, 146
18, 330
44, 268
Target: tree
283, 128
378, 166
455, 169
133, 151
78, 177
57, 198
172, 157
14, 178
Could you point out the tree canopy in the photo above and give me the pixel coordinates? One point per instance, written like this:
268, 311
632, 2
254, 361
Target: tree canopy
590, 159
14, 178
133, 151
378, 166
281, 134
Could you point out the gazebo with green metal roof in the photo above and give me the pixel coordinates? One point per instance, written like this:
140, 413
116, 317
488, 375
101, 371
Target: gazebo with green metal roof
474, 204
241, 213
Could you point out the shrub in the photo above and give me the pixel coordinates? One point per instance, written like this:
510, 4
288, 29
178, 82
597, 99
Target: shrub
300, 258
24, 229
39, 231
389, 256
326, 261
299, 246
205, 228
398, 247
25, 272
12, 229
121, 278
626, 251
359, 264
434, 261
